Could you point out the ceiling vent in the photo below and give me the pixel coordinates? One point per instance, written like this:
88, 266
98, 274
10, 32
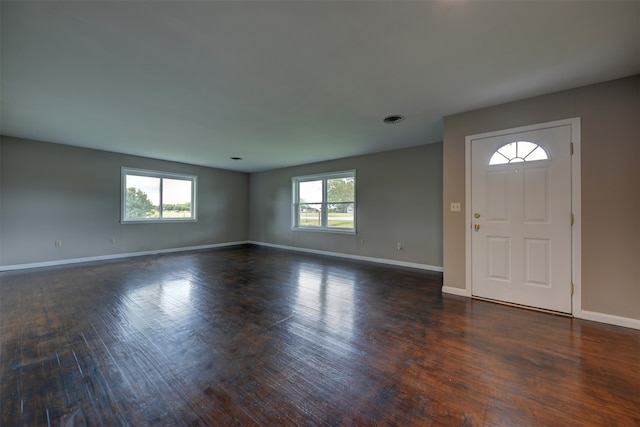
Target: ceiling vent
393, 119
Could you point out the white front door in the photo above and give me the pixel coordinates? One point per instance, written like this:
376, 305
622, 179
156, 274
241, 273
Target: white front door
521, 217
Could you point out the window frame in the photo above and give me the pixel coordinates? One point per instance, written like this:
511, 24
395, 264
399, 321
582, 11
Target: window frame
324, 177
523, 159
161, 175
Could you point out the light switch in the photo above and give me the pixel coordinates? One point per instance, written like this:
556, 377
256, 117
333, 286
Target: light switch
455, 207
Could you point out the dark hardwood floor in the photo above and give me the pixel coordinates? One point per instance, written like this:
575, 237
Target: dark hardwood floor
258, 336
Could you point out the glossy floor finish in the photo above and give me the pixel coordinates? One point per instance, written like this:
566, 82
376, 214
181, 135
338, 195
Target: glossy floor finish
258, 336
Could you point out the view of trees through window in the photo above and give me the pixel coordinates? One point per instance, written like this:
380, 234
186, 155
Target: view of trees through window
156, 197
326, 202
138, 204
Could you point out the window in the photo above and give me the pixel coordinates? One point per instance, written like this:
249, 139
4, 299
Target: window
325, 202
150, 196
519, 151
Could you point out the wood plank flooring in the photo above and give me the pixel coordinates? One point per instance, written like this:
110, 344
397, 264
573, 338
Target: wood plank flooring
262, 337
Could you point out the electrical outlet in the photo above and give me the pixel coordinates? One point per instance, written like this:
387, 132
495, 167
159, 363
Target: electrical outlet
361, 242
57, 243
112, 240
399, 246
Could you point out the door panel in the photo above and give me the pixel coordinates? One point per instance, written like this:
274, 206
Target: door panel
499, 258
537, 261
536, 195
520, 213
497, 196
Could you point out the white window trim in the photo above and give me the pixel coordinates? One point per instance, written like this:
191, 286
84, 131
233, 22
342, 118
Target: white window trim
524, 159
324, 177
157, 174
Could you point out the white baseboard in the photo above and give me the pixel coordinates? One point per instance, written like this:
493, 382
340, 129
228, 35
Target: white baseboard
355, 257
579, 314
608, 318
455, 291
116, 256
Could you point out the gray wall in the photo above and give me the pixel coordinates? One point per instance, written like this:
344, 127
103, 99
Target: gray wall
52, 192
399, 199
610, 118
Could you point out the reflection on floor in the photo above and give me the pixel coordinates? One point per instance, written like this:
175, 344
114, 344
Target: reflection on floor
258, 336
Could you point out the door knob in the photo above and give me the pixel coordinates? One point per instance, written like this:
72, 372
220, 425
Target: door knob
476, 227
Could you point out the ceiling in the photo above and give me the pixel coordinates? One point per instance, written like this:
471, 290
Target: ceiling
283, 83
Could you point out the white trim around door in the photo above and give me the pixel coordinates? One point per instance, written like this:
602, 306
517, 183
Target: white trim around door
574, 125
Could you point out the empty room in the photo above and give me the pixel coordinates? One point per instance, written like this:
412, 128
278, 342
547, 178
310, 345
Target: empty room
319, 213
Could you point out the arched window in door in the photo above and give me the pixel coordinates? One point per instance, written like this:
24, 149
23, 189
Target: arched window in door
518, 151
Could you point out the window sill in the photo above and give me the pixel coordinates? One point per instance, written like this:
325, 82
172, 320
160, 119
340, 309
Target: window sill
324, 230
157, 221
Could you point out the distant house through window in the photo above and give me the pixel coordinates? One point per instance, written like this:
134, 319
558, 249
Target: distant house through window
519, 151
152, 196
325, 202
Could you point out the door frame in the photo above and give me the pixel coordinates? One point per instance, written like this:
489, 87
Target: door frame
576, 205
